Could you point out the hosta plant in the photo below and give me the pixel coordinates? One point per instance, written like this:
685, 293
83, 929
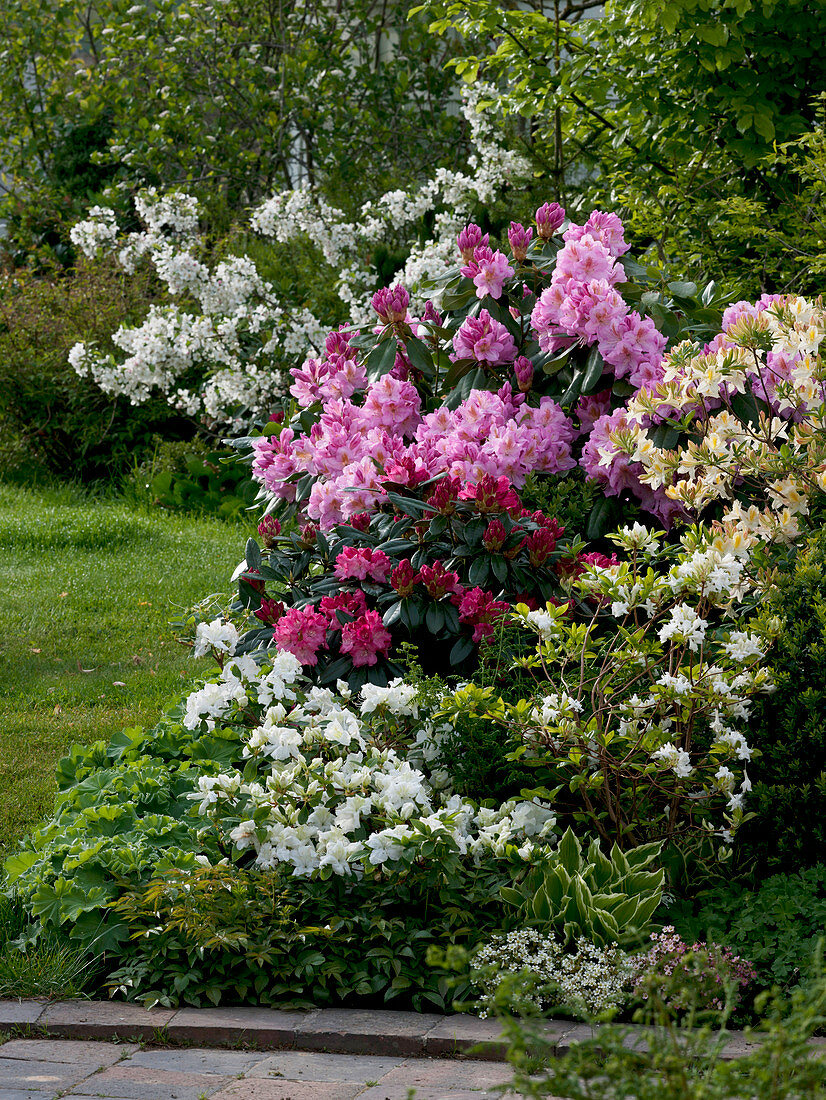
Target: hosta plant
603, 899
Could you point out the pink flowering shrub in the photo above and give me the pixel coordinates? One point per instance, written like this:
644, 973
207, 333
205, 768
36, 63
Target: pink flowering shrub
530, 352
700, 977
406, 447
442, 566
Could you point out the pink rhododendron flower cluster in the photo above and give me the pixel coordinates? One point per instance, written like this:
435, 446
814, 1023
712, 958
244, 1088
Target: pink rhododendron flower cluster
356, 449
338, 375
302, 632
484, 339
497, 435
493, 494
582, 303
351, 603
480, 610
488, 270
362, 564
372, 436
365, 638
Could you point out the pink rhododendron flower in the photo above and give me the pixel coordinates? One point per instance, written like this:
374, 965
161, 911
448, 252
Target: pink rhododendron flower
488, 270
485, 340
365, 638
274, 461
353, 603
606, 228
591, 407
361, 563
392, 403
302, 632
481, 610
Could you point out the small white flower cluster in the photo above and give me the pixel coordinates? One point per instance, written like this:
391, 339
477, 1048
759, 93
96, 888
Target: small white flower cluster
218, 635
589, 979
328, 797
235, 342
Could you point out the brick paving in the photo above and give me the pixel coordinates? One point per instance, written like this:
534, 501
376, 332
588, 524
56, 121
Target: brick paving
89, 1050
45, 1069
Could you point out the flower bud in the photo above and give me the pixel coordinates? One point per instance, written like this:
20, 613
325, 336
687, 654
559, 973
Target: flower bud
391, 303
548, 219
519, 238
523, 369
470, 239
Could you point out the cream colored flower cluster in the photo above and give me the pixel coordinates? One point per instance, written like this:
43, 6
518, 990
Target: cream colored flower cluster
751, 412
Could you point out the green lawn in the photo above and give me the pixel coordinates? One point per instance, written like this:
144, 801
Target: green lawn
88, 587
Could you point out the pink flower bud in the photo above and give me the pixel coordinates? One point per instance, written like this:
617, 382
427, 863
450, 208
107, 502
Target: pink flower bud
270, 612
523, 369
404, 577
494, 537
391, 303
470, 239
268, 530
519, 238
548, 219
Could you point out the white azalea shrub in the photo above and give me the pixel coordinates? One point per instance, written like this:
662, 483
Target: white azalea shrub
339, 785
644, 680
221, 348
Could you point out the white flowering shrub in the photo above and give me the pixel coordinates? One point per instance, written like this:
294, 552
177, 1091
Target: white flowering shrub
223, 344
643, 685
329, 786
531, 970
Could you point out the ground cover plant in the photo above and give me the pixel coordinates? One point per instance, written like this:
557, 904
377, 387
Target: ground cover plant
79, 665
